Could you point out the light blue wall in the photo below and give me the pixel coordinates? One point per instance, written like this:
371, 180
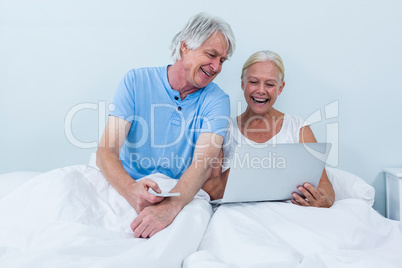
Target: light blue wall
343, 55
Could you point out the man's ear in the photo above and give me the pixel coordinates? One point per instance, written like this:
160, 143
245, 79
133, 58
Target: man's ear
281, 88
183, 47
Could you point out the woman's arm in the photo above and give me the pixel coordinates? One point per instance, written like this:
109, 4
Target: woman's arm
323, 195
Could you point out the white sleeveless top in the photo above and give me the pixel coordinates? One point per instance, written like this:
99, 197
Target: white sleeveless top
289, 133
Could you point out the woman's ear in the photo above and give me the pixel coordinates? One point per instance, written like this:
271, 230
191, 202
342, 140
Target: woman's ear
281, 88
242, 85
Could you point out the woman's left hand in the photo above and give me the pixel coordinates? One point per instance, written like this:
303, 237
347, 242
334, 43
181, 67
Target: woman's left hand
314, 197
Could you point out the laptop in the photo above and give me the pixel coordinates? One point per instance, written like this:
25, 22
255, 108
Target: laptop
274, 172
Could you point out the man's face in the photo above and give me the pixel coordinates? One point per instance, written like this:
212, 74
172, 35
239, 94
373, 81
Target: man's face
203, 64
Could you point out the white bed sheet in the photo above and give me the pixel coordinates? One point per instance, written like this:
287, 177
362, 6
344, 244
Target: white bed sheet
11, 181
71, 217
349, 234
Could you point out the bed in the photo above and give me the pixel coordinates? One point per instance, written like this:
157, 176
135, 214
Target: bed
71, 217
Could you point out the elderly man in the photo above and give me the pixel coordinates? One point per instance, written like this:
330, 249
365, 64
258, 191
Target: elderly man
169, 120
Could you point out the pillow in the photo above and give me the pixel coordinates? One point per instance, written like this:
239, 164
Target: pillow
347, 185
12, 180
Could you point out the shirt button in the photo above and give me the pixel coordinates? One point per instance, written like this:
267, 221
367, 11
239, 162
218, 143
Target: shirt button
179, 108
176, 98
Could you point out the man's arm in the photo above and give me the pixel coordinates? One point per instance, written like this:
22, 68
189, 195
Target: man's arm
215, 185
155, 218
107, 159
323, 195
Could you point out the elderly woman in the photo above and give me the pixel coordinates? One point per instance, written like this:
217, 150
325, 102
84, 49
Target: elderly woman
262, 81
164, 118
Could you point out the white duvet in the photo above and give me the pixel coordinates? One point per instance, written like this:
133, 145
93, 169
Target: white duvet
72, 217
349, 234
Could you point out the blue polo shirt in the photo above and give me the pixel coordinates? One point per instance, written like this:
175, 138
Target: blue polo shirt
165, 128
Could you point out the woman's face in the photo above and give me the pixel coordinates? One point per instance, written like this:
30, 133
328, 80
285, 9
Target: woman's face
261, 85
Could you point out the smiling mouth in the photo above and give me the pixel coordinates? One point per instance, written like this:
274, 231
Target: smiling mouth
259, 101
205, 72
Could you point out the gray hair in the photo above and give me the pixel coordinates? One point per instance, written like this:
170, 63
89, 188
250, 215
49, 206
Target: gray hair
265, 55
198, 29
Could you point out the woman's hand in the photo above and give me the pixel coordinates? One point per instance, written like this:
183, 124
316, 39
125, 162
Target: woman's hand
313, 197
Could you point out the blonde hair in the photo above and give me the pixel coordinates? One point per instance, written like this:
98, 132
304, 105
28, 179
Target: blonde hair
265, 55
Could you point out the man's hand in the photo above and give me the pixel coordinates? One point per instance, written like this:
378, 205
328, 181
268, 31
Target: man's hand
313, 197
153, 219
138, 196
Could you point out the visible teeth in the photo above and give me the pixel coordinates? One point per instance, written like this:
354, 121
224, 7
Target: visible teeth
260, 101
206, 72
